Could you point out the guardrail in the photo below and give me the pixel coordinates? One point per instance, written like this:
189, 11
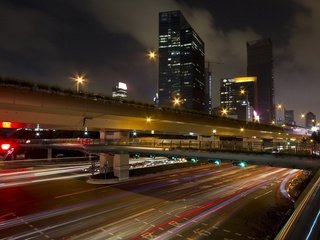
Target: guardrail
304, 222
246, 146
216, 145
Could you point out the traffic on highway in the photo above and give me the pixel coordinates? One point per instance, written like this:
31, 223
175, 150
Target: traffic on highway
201, 202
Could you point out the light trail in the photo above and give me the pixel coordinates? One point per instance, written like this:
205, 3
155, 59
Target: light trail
25, 177
175, 224
170, 217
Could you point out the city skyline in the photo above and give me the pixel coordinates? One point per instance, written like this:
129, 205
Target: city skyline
48, 42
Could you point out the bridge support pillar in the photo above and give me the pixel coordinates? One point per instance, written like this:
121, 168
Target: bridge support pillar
102, 136
106, 162
49, 154
121, 165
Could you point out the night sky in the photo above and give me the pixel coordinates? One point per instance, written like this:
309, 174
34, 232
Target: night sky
49, 41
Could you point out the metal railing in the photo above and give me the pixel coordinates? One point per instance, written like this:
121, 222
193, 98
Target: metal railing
243, 146
297, 148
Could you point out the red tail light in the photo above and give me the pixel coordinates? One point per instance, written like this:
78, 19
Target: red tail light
5, 146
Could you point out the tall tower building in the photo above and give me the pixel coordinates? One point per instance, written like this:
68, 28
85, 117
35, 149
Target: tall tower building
181, 63
310, 120
260, 64
237, 96
208, 87
289, 117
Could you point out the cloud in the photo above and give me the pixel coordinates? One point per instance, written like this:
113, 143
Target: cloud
297, 74
142, 24
225, 50
20, 29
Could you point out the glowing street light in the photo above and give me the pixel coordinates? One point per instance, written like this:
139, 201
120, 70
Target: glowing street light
152, 55
177, 101
79, 79
148, 119
224, 111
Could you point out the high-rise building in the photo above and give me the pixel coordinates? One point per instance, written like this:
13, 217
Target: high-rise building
289, 117
208, 87
238, 96
181, 63
310, 120
260, 64
119, 90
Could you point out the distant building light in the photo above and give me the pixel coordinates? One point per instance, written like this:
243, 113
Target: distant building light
120, 90
122, 85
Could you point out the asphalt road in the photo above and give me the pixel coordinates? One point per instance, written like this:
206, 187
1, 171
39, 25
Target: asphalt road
208, 202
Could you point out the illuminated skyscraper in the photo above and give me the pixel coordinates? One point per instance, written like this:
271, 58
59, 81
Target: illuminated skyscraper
260, 64
181, 63
238, 96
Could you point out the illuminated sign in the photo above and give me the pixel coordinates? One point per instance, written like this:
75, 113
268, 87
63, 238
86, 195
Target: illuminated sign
244, 79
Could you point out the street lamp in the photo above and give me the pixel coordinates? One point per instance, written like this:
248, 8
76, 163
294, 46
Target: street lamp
224, 112
79, 79
177, 101
278, 116
152, 55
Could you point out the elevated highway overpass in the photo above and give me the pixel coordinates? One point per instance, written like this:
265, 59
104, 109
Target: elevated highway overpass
32, 105
64, 109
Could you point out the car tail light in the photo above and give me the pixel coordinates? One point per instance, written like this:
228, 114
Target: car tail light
5, 146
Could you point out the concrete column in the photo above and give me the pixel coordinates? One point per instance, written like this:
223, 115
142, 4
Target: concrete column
102, 136
49, 154
102, 160
105, 162
121, 165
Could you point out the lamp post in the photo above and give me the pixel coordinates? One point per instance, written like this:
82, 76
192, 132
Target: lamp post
278, 109
79, 79
153, 56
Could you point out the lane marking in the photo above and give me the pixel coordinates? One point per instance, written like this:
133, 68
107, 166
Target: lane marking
263, 195
83, 191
